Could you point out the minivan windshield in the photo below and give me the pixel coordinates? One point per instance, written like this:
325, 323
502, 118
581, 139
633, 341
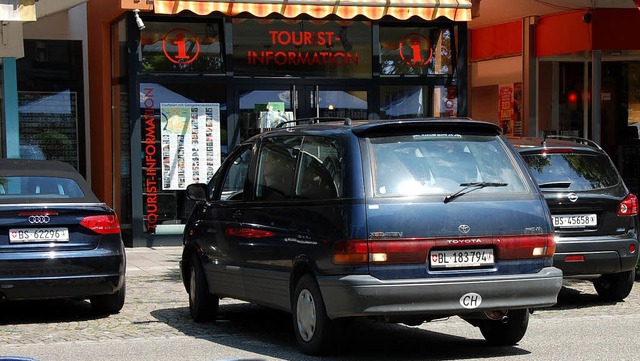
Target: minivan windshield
423, 164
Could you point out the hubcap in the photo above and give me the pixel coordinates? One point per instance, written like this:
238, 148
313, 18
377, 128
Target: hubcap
306, 315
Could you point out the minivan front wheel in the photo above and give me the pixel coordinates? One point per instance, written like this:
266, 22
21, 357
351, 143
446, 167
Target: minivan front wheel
506, 332
203, 306
616, 286
313, 328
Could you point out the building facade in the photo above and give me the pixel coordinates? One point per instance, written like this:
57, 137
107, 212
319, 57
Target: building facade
187, 81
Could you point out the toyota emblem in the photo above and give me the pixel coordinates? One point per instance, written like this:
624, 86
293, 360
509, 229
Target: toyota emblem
463, 228
39, 219
572, 197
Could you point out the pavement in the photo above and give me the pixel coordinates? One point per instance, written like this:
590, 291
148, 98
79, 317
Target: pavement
153, 261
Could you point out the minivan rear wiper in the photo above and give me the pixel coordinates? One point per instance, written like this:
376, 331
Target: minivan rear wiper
469, 187
556, 184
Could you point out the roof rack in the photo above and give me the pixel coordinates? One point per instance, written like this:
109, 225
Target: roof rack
573, 139
314, 120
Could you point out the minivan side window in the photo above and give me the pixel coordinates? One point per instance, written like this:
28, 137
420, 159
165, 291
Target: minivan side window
236, 176
276, 168
320, 172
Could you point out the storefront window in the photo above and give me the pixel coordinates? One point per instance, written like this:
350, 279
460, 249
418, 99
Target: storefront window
181, 47
417, 51
304, 48
634, 99
50, 101
184, 138
400, 102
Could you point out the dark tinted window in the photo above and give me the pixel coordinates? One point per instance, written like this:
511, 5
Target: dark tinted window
236, 176
577, 172
320, 172
276, 169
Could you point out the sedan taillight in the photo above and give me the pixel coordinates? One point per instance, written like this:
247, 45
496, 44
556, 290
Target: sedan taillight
628, 206
105, 224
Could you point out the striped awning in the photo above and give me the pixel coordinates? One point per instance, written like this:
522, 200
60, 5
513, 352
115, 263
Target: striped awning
458, 10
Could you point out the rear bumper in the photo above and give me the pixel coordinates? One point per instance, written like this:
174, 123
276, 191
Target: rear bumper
363, 295
80, 274
577, 256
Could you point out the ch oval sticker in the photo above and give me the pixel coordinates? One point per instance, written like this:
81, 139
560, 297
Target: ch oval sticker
470, 300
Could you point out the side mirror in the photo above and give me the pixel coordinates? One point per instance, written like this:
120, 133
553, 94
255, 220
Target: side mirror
197, 192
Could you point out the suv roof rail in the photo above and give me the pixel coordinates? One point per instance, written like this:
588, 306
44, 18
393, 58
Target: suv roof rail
573, 139
315, 120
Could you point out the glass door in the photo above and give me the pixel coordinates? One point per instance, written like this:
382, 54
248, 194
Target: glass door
338, 102
263, 109
260, 109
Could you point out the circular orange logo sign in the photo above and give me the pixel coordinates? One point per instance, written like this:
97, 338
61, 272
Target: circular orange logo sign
180, 46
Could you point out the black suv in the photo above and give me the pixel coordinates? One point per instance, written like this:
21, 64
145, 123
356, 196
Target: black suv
594, 214
403, 221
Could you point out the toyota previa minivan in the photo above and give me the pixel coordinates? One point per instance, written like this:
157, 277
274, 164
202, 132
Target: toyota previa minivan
405, 221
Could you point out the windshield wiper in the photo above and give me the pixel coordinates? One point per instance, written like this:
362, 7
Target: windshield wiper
556, 184
469, 187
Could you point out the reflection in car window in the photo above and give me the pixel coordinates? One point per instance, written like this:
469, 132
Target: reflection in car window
320, 172
276, 170
440, 164
39, 187
235, 177
576, 172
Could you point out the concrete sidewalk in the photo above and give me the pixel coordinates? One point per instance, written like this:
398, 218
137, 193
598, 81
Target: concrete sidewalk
143, 261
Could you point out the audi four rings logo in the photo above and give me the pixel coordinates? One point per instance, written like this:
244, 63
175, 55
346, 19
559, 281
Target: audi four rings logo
39, 219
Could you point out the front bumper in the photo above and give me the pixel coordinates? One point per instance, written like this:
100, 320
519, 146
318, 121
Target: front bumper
78, 274
363, 295
577, 256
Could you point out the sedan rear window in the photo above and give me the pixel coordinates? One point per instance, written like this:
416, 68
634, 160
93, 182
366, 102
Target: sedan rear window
441, 164
39, 187
571, 171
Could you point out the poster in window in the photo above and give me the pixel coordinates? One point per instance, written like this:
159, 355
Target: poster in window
190, 143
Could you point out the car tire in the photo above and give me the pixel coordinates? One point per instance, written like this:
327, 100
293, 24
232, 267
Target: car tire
314, 331
506, 333
615, 286
203, 306
109, 304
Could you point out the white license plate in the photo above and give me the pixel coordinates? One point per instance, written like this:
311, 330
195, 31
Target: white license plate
575, 221
461, 258
32, 235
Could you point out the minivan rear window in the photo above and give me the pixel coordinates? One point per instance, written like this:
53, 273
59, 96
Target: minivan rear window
422, 164
572, 171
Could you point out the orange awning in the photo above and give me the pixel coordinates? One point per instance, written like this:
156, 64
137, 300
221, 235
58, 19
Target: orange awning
458, 10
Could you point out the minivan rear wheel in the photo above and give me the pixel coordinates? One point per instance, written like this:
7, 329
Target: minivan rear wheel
203, 306
615, 286
506, 333
315, 332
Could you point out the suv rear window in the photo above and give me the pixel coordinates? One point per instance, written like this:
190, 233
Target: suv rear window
441, 164
571, 171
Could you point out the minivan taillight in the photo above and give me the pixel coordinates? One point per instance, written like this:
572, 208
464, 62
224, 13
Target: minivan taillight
526, 246
411, 250
350, 252
105, 224
628, 206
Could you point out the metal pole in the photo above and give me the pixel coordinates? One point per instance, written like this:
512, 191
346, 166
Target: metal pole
596, 99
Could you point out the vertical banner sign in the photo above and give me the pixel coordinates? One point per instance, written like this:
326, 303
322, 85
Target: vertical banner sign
505, 108
190, 143
517, 110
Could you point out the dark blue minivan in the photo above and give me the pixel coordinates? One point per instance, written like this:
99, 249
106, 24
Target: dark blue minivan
404, 221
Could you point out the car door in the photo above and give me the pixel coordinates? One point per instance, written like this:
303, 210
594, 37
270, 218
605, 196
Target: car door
221, 224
